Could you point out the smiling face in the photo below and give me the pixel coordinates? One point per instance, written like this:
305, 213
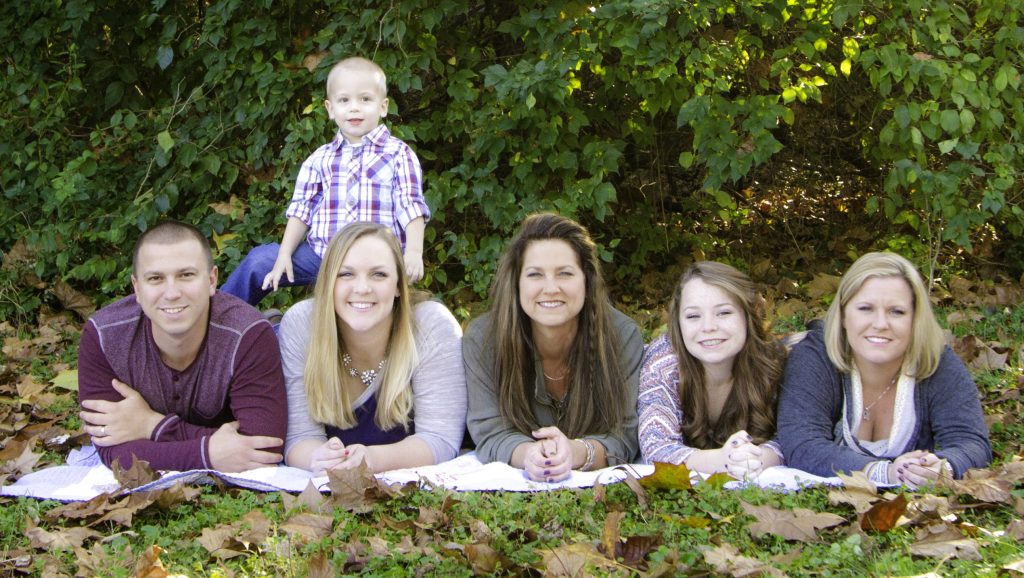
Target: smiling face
713, 326
367, 286
355, 101
552, 286
878, 321
173, 285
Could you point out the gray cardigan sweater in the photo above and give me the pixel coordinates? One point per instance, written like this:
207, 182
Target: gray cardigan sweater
950, 422
496, 438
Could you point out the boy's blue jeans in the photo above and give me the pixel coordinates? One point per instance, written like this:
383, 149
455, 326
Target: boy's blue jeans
246, 281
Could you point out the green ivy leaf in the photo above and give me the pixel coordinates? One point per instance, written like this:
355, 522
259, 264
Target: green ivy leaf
165, 140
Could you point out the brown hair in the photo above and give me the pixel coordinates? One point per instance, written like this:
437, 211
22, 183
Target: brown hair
756, 370
595, 384
168, 233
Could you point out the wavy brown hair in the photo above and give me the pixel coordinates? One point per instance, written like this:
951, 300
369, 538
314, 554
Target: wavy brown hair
756, 370
596, 382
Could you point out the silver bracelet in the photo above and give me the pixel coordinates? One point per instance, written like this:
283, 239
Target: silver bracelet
590, 454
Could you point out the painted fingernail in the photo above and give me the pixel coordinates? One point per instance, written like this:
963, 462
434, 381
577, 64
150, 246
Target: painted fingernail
546, 472
734, 443
550, 480
547, 462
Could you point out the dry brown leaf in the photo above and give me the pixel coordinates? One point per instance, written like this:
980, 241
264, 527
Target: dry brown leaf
139, 474
726, 559
230, 540
1015, 530
944, 541
353, 489
480, 531
1015, 568
61, 539
311, 61
575, 560
884, 515
123, 511
93, 562
991, 490
78, 510
798, 524
930, 507
309, 527
17, 349
319, 566
149, 565
28, 387
821, 285
857, 491
610, 535
310, 497
634, 550
486, 560
179, 493
24, 463
73, 300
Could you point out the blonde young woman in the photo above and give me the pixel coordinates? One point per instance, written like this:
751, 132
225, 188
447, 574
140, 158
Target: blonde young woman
708, 387
552, 367
374, 373
877, 390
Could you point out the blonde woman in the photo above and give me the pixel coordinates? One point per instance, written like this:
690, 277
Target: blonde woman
708, 386
374, 373
877, 390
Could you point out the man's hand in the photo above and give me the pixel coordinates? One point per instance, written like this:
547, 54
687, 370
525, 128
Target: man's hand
413, 265
282, 266
116, 422
231, 451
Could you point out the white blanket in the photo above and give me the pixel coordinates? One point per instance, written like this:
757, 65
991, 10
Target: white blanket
85, 478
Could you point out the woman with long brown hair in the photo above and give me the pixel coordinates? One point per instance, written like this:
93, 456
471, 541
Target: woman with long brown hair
552, 367
708, 387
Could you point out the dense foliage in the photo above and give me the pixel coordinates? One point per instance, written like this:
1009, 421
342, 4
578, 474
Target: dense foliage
668, 127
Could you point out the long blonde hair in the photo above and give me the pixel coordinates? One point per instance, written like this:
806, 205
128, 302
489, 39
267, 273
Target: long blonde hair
329, 402
926, 342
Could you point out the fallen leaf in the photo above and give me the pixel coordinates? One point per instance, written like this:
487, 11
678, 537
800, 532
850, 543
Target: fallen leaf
1015, 568
139, 474
480, 531
884, 515
576, 560
944, 541
319, 566
486, 560
610, 534
798, 524
94, 561
668, 477
28, 387
857, 491
991, 490
634, 550
1015, 530
24, 463
62, 539
726, 559
352, 489
66, 379
309, 527
821, 285
234, 539
73, 300
312, 60
930, 507
149, 565
310, 497
633, 483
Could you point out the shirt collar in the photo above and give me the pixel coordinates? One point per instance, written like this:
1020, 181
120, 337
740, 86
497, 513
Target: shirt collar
377, 136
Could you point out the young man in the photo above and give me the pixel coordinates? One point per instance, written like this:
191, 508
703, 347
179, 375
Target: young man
364, 174
179, 374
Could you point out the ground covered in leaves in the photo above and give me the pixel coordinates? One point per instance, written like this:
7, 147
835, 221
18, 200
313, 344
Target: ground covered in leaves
659, 526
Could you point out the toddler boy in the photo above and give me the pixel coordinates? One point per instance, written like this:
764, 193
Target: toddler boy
364, 174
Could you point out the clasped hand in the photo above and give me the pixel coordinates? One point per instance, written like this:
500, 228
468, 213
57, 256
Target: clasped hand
915, 469
742, 458
111, 423
549, 459
334, 455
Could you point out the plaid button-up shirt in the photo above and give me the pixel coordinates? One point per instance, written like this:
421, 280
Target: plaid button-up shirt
379, 180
